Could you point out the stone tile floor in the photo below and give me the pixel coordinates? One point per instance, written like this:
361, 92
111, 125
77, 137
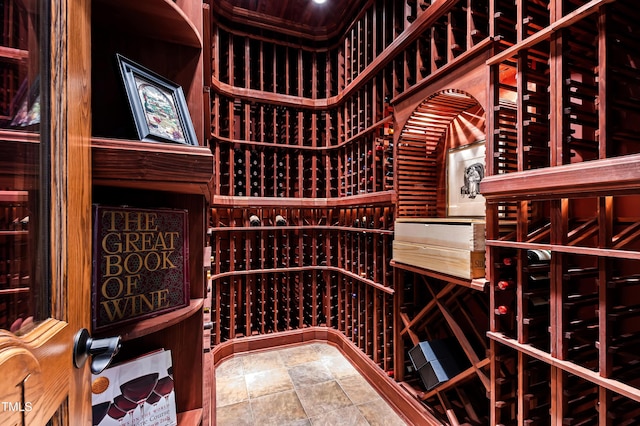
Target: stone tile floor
312, 384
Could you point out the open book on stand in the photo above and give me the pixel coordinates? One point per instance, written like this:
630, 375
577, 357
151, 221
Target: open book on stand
135, 393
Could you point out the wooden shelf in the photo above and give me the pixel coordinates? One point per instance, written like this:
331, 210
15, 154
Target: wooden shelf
14, 55
152, 325
14, 233
288, 269
302, 228
157, 19
290, 202
153, 166
479, 284
15, 290
190, 418
587, 251
592, 178
14, 196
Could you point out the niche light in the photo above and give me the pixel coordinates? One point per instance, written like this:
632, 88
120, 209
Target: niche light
319, 1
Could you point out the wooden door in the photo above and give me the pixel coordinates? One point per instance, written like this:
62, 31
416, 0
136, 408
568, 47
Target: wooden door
45, 211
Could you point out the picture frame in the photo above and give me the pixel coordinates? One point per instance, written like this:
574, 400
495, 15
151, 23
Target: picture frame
27, 106
465, 169
158, 105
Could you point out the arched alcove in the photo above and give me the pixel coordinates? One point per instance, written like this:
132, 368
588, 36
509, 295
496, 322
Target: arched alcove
445, 120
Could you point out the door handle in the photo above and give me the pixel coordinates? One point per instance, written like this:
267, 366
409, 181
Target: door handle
102, 351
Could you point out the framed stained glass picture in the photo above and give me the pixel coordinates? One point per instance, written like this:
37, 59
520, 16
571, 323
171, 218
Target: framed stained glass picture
158, 105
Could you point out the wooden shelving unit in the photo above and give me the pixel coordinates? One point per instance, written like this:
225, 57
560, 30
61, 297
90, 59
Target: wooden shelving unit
322, 267
16, 283
307, 132
19, 146
289, 142
327, 134
166, 37
562, 329
19, 153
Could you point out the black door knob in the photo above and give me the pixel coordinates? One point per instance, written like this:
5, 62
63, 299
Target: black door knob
102, 351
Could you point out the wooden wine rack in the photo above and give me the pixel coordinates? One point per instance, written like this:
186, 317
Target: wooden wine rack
561, 333
323, 267
16, 283
307, 132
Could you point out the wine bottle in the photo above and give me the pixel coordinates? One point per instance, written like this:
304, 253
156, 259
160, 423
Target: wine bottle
280, 221
509, 261
502, 310
537, 256
506, 284
254, 220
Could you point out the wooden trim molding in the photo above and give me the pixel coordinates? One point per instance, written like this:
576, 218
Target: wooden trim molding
589, 178
479, 284
383, 198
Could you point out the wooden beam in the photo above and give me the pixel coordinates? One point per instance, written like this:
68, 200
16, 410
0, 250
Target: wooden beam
468, 406
588, 178
476, 284
459, 378
382, 197
428, 307
451, 415
588, 251
406, 321
464, 342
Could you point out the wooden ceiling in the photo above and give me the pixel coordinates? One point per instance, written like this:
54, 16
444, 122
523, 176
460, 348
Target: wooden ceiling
297, 18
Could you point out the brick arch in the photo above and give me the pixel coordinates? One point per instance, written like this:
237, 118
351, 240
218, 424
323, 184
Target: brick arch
422, 144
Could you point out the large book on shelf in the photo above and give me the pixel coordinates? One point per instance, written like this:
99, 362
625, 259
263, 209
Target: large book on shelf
141, 264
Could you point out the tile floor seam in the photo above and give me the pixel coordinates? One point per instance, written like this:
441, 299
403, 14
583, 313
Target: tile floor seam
306, 413
244, 377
